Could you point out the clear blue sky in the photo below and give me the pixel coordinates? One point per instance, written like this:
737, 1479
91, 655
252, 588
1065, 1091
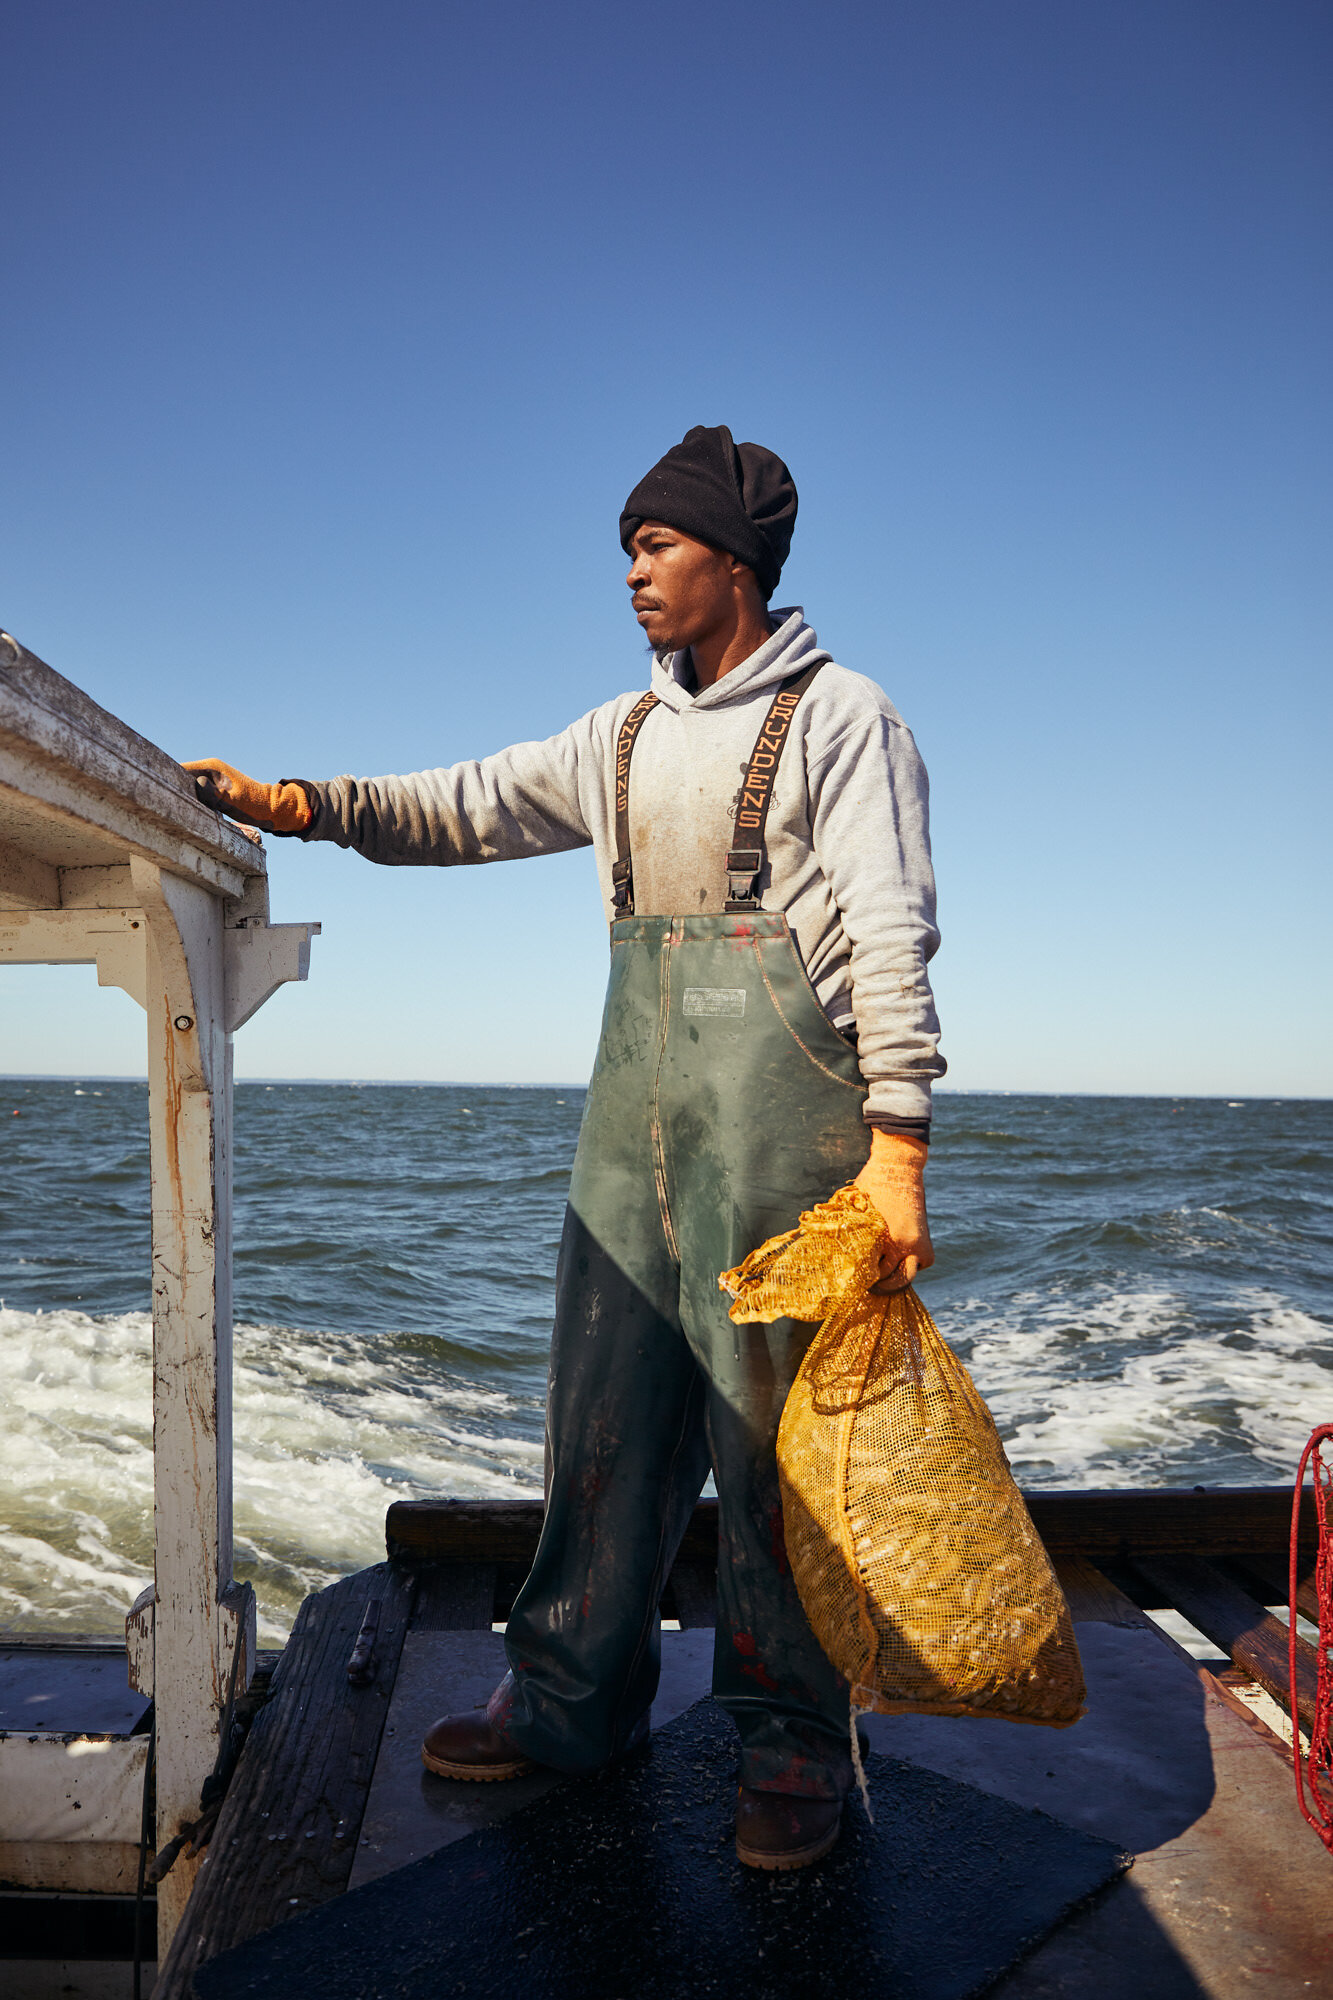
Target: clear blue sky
335, 334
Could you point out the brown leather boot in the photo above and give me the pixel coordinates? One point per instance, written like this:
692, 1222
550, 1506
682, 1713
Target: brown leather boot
780, 1830
467, 1746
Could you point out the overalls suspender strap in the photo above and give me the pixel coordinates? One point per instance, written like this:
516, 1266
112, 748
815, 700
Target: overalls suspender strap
622, 871
744, 864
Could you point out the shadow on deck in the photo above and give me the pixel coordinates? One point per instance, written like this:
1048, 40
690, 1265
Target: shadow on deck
386, 1880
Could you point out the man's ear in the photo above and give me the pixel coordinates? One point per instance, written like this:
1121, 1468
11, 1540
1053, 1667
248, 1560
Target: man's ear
742, 573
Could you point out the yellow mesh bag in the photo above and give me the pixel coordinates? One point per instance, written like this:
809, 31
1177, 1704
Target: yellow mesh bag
915, 1557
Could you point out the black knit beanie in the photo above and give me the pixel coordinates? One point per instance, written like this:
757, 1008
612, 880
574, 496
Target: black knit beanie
736, 497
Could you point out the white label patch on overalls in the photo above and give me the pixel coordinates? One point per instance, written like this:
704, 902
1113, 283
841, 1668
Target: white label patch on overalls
714, 1000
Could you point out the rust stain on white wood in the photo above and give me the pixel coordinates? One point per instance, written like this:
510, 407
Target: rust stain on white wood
189, 1146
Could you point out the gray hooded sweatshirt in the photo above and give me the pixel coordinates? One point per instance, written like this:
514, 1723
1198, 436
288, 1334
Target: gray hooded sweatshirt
848, 835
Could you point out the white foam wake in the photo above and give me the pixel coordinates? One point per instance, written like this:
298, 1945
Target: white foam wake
1107, 1387
328, 1431
1091, 1386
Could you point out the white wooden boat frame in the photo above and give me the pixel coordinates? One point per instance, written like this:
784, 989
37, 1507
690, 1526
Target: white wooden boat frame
108, 858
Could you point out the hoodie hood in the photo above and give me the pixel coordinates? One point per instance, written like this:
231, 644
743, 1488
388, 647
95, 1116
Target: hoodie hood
789, 650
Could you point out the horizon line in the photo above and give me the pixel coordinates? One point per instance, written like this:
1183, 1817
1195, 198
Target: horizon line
499, 1083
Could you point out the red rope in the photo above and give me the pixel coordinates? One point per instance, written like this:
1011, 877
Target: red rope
1319, 1763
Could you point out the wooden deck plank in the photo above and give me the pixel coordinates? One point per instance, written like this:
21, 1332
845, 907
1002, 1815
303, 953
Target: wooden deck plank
491, 1531
1268, 1577
455, 1597
1106, 1526
1234, 1906
288, 1830
1103, 1526
1092, 1597
1239, 1624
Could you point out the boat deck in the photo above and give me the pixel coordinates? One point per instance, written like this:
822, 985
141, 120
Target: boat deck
1229, 1893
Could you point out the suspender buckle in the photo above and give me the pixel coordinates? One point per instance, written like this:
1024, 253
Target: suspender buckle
622, 887
744, 865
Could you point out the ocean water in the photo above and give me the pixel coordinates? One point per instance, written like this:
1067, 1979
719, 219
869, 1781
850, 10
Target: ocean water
1142, 1287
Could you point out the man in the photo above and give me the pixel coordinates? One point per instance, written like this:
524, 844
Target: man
760, 826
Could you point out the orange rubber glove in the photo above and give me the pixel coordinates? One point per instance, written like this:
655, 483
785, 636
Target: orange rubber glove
894, 1179
280, 808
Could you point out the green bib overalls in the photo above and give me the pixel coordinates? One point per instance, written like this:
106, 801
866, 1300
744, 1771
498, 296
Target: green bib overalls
723, 1102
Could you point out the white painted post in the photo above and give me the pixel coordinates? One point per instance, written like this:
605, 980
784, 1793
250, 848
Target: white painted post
189, 1077
106, 855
